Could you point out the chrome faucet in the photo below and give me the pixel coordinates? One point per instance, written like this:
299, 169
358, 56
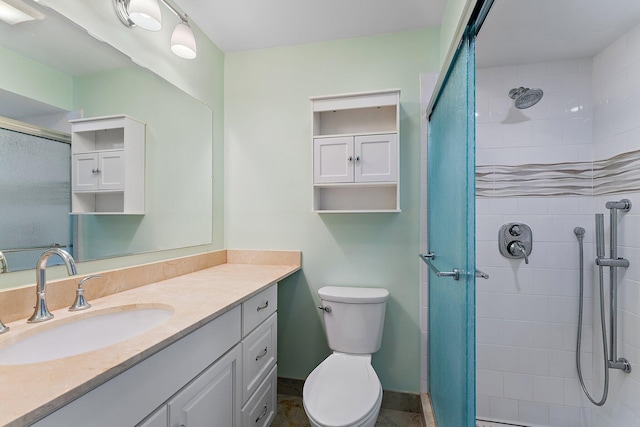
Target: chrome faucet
4, 267
41, 313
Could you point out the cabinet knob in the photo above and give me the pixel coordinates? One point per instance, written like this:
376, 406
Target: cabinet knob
357, 158
95, 170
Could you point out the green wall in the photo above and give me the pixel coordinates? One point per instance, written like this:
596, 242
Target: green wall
268, 189
31, 79
177, 164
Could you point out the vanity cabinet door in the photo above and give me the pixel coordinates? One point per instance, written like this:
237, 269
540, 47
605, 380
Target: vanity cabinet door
157, 419
213, 398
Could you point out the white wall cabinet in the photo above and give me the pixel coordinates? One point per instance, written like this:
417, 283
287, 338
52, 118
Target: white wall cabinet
108, 158
356, 152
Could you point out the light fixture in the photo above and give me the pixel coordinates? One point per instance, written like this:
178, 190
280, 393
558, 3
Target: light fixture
146, 14
183, 42
16, 11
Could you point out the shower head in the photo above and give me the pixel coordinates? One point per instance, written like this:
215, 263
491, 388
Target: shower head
525, 97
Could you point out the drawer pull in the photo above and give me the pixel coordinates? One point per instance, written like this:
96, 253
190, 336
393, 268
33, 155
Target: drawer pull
262, 307
262, 354
264, 412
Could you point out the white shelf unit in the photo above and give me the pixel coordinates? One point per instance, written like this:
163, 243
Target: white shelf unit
356, 152
108, 166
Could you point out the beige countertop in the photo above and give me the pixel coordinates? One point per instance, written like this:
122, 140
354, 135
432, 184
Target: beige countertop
29, 392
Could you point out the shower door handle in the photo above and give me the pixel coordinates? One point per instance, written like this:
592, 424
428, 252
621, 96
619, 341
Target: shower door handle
429, 256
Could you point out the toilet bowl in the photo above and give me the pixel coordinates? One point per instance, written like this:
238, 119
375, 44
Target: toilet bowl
344, 390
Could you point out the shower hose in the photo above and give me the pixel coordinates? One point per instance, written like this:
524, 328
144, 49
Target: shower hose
579, 232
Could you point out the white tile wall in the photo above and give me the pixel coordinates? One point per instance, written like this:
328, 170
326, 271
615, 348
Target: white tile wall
427, 87
527, 314
616, 89
590, 110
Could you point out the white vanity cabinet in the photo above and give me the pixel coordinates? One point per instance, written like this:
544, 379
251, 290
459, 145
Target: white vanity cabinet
356, 152
259, 358
222, 374
108, 165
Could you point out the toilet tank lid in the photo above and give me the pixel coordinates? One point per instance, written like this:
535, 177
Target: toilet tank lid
353, 295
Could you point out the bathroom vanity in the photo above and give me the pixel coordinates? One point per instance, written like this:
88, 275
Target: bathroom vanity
215, 358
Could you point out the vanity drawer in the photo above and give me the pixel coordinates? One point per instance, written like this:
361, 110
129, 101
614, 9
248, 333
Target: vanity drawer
259, 355
258, 308
261, 408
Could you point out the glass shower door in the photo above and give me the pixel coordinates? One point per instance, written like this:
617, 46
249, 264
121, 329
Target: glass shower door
451, 239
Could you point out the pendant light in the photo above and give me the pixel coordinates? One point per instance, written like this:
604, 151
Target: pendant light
145, 14
183, 42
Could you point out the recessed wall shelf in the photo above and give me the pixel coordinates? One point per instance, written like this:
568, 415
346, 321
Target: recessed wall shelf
356, 149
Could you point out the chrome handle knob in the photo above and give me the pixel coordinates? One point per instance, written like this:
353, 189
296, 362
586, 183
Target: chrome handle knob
95, 170
325, 309
350, 158
262, 307
357, 158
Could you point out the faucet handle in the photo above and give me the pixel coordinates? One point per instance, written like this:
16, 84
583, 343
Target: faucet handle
81, 303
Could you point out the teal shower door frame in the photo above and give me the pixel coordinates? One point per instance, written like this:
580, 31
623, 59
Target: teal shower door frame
451, 242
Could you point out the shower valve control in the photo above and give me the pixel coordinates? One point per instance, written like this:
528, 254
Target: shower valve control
515, 241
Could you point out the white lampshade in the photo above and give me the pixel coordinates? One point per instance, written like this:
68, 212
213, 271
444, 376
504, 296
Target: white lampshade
145, 14
183, 42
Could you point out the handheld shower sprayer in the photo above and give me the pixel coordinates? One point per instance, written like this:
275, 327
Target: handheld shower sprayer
599, 236
579, 232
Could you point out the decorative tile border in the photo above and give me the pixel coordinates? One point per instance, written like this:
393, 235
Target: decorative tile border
618, 174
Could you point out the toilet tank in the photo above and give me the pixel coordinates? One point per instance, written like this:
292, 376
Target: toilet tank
355, 320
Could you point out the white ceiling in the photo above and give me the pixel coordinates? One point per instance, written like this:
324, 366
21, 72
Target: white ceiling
526, 31
237, 25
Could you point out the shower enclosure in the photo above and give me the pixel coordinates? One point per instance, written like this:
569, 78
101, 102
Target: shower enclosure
553, 166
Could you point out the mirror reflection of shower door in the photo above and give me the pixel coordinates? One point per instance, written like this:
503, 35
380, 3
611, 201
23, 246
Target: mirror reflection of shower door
451, 236
35, 183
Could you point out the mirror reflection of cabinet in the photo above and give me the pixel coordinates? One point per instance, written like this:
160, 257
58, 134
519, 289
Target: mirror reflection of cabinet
356, 152
108, 165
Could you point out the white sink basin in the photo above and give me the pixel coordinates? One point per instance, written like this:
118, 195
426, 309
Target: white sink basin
77, 335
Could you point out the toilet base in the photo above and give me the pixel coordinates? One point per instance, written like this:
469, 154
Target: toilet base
367, 422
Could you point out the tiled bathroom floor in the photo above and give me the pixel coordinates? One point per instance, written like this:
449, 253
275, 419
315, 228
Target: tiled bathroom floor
291, 414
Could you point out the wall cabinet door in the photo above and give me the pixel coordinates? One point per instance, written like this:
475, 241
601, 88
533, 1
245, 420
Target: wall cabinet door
333, 160
213, 398
375, 158
98, 171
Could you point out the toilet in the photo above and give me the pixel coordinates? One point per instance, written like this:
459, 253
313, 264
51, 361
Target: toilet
344, 390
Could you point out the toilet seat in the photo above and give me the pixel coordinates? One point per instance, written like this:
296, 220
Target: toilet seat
343, 390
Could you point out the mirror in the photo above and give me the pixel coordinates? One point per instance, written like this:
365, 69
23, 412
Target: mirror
53, 71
